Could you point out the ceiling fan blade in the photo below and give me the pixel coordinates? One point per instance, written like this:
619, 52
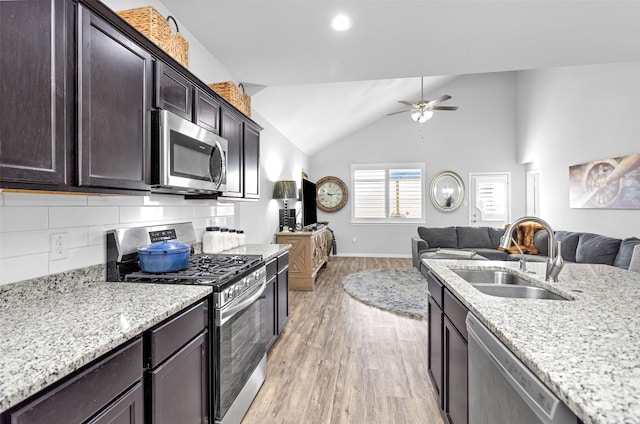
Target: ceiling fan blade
444, 108
439, 99
406, 103
402, 111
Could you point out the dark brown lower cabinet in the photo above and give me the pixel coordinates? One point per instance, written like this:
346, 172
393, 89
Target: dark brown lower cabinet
447, 351
277, 296
161, 377
179, 392
283, 295
434, 347
271, 327
126, 410
78, 398
455, 381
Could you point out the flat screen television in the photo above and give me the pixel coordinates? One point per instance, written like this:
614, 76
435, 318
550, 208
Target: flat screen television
309, 209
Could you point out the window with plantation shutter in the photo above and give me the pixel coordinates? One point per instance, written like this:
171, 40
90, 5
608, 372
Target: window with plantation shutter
387, 193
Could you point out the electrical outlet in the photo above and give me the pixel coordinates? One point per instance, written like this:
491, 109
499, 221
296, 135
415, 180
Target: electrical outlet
59, 246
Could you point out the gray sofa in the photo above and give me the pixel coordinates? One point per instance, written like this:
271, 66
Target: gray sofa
576, 247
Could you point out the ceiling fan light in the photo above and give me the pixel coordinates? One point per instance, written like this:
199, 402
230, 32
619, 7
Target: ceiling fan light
422, 117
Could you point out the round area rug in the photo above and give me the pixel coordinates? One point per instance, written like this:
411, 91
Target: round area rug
401, 290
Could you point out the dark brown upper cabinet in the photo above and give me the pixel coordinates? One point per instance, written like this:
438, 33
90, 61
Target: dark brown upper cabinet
251, 161
207, 112
174, 92
36, 91
232, 131
114, 106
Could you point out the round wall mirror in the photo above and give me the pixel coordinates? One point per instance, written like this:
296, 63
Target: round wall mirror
447, 191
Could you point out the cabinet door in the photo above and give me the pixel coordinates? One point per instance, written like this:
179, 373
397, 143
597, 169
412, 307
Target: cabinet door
173, 92
434, 347
232, 126
207, 113
272, 307
86, 393
114, 81
179, 387
283, 299
251, 162
37, 59
456, 378
128, 409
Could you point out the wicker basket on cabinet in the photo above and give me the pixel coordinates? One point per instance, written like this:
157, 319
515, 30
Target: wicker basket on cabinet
234, 94
156, 28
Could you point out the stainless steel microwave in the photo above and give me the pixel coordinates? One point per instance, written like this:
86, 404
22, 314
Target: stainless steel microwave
186, 159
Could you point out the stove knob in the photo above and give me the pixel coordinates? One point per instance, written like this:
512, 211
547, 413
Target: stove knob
229, 293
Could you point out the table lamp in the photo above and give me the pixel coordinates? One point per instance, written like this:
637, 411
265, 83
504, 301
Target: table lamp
285, 190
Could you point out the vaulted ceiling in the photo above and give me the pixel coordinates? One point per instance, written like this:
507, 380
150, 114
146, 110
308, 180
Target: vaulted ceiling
321, 85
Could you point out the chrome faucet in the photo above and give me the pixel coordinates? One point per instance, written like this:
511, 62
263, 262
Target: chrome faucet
554, 261
522, 261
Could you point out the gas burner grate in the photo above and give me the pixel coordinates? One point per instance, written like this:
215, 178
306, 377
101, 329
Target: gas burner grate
202, 269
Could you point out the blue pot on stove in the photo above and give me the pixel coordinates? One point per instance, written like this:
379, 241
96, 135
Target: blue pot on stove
165, 256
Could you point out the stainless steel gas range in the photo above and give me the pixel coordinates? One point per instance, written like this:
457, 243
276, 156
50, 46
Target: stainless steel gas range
238, 318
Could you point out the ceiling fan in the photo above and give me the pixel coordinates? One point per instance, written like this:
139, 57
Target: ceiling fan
423, 109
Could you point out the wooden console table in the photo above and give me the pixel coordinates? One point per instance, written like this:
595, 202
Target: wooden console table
309, 252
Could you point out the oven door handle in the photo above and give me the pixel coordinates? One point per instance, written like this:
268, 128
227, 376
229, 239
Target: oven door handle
228, 313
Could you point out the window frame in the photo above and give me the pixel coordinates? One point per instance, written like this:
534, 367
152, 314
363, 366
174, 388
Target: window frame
386, 167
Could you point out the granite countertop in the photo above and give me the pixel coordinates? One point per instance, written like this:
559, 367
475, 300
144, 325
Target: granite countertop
267, 251
585, 350
46, 337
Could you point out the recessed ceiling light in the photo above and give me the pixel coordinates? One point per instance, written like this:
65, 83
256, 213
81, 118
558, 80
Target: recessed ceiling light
341, 23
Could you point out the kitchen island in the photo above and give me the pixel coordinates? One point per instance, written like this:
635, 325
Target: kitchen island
585, 350
46, 335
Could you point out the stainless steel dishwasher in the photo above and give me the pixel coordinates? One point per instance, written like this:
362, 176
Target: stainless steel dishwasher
502, 390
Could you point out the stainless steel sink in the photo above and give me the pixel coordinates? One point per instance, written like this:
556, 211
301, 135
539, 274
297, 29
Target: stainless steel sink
505, 284
518, 292
487, 276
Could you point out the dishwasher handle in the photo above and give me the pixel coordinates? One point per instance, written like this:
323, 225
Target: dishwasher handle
541, 400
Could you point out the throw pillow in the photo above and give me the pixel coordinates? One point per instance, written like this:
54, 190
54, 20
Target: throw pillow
439, 237
623, 259
597, 249
473, 237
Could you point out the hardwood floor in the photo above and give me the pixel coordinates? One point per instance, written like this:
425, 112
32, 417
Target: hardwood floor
342, 361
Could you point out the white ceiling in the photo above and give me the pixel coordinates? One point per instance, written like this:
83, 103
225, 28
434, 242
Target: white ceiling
322, 85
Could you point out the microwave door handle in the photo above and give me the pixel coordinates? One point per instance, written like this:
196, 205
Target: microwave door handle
213, 166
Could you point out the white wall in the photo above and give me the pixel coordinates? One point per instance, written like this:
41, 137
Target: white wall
201, 62
479, 137
572, 115
279, 160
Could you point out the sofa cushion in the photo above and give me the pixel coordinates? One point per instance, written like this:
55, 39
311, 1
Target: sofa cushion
439, 237
623, 259
570, 242
597, 249
473, 237
495, 234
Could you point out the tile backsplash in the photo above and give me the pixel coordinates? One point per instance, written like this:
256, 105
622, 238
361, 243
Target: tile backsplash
28, 220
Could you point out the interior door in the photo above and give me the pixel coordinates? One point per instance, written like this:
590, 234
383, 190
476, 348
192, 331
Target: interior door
489, 199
